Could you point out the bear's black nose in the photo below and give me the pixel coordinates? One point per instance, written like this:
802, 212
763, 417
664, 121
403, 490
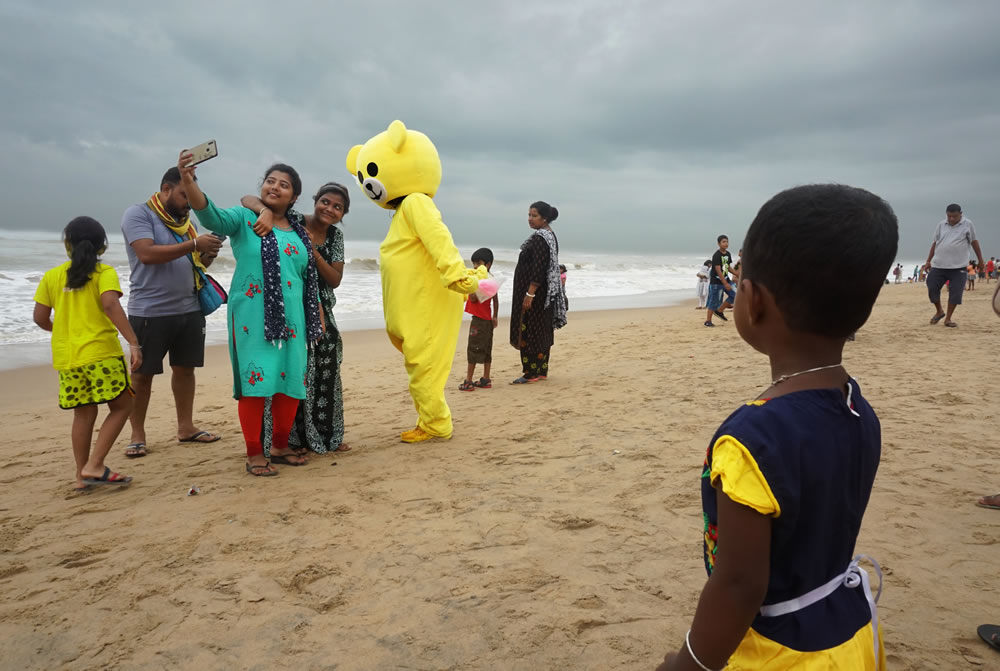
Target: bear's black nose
370, 188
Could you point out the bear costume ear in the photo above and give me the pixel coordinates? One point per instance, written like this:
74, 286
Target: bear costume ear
397, 135
352, 160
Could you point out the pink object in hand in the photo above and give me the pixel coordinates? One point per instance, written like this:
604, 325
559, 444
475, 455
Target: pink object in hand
487, 289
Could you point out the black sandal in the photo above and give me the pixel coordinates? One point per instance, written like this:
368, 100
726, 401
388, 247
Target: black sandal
284, 460
261, 470
467, 386
484, 383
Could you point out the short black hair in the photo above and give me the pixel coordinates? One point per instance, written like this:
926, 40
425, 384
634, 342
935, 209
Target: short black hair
721, 238
850, 237
484, 254
172, 177
954, 207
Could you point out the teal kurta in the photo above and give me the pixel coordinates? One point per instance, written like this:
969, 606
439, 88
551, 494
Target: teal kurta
262, 368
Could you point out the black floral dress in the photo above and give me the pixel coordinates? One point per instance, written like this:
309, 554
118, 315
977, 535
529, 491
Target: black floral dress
319, 421
532, 331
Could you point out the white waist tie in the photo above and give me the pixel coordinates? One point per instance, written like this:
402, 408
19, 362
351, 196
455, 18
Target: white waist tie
851, 578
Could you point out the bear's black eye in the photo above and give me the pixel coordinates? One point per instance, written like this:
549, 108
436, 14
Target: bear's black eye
361, 178
372, 170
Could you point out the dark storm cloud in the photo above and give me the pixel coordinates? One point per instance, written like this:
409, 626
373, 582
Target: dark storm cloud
650, 125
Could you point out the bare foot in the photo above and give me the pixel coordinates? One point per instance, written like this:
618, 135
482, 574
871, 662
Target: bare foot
344, 447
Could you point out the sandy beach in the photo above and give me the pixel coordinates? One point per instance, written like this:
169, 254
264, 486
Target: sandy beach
559, 529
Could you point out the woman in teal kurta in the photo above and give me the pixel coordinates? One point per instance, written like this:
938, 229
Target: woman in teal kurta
273, 311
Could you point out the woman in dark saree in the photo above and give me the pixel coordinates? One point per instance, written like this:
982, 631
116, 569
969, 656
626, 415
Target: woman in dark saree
538, 306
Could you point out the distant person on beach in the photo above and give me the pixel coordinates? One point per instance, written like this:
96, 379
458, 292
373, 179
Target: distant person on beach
990, 269
702, 290
92, 369
946, 261
916, 273
788, 476
720, 291
538, 308
319, 420
163, 247
484, 321
897, 273
273, 310
971, 270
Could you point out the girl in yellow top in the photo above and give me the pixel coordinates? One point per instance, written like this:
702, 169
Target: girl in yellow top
85, 350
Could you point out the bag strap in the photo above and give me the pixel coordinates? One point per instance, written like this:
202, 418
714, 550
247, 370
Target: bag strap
190, 257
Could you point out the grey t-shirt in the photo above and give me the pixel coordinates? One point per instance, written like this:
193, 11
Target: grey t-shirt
162, 289
952, 243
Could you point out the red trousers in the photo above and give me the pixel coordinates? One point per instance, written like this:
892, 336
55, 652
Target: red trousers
251, 411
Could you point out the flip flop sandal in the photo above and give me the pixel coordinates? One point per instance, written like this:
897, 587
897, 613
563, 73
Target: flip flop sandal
261, 470
951, 325
991, 634
484, 383
197, 438
721, 316
467, 386
284, 460
109, 478
524, 380
987, 505
136, 450
936, 318
709, 324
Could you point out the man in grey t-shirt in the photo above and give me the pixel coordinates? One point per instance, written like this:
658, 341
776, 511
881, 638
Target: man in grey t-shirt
948, 259
162, 305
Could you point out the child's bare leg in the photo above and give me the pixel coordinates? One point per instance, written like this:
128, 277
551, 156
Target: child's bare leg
486, 370
120, 408
470, 372
84, 418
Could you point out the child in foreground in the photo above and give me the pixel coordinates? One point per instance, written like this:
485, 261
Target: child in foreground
788, 476
484, 320
85, 350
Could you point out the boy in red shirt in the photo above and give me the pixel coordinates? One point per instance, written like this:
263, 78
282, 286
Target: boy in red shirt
484, 320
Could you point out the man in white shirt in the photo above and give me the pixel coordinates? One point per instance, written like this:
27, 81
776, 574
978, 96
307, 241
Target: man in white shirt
948, 260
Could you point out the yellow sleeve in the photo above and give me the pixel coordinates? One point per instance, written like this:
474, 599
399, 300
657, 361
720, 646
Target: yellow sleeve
107, 280
425, 219
43, 294
737, 472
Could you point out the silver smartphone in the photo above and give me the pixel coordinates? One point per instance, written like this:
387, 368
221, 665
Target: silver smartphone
203, 152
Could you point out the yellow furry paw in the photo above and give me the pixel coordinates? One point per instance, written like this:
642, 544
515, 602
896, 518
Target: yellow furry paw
418, 435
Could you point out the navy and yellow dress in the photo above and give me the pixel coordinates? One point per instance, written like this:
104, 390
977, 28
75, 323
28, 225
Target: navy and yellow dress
808, 461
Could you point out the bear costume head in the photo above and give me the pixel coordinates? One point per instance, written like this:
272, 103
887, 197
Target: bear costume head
394, 164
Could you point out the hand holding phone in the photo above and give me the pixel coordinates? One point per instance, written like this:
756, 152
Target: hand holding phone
202, 153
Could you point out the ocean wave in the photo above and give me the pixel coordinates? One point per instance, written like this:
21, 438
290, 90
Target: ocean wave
363, 264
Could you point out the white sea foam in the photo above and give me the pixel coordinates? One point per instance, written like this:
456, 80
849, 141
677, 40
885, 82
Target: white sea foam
595, 281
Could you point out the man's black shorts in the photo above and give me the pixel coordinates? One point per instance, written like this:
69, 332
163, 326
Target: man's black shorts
183, 336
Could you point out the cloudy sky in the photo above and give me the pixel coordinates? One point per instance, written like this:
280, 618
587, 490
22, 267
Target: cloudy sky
652, 126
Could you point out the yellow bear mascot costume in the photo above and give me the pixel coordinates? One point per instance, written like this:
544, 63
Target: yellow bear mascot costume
423, 276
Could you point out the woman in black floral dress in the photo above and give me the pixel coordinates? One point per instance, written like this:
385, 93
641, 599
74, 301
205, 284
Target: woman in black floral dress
538, 306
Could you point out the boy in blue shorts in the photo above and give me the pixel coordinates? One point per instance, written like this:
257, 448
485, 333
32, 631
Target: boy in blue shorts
718, 283
787, 477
